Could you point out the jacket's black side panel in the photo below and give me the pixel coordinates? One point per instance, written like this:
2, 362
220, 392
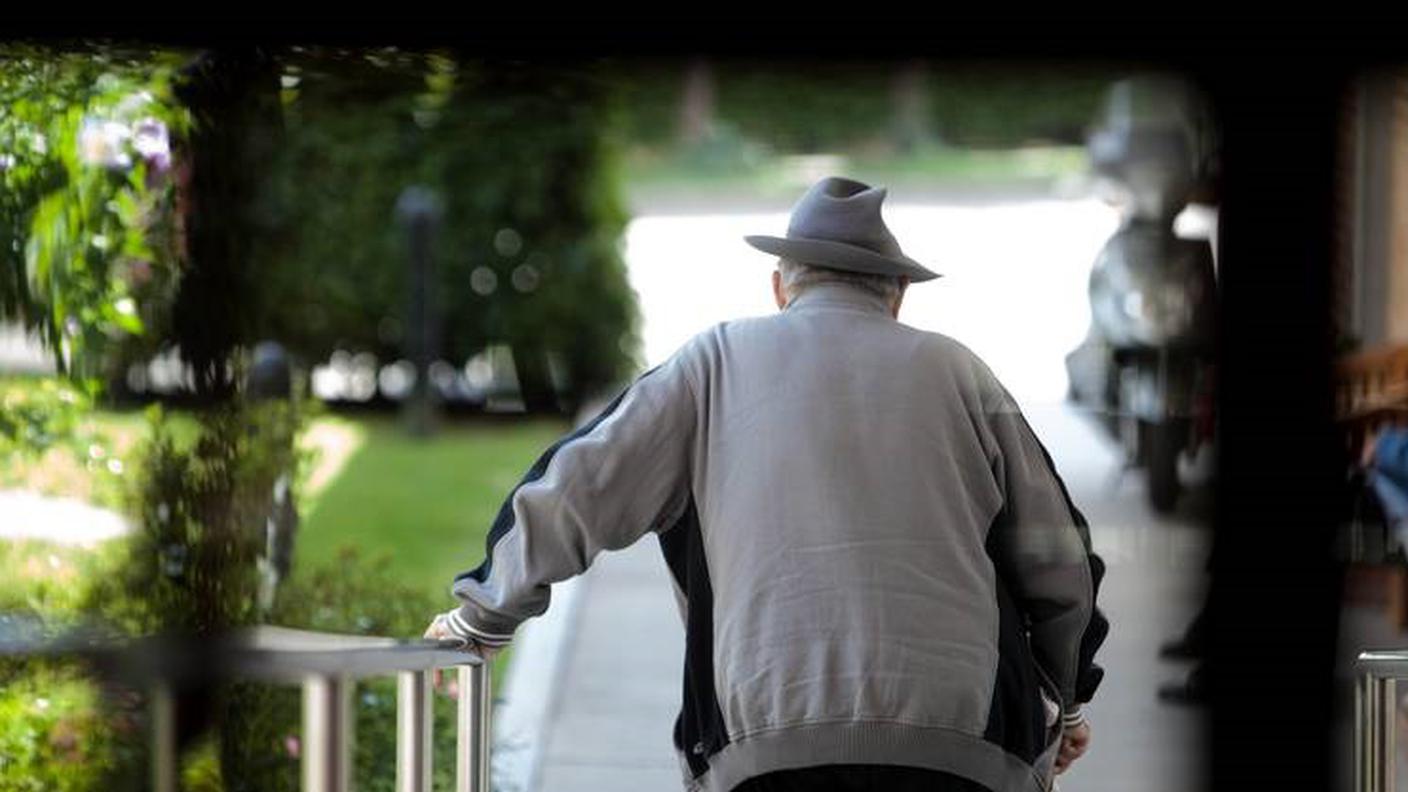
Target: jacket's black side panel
1017, 718
699, 730
1089, 675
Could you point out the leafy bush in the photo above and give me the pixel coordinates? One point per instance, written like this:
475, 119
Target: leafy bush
202, 511
57, 735
36, 415
60, 729
48, 583
49, 444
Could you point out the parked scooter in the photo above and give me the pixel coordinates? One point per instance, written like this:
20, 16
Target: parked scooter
1146, 366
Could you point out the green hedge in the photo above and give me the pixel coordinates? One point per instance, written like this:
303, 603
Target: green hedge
840, 105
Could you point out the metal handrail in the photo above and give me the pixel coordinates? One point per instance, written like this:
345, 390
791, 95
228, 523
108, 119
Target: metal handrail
1375, 718
326, 665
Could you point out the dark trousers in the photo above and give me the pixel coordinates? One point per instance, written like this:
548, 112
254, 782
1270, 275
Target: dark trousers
859, 778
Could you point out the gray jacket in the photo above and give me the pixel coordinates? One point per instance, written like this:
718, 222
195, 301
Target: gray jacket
875, 559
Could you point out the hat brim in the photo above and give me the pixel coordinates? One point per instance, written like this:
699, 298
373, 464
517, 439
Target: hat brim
839, 255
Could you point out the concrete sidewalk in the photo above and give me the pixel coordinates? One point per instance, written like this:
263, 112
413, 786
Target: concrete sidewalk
622, 684
611, 720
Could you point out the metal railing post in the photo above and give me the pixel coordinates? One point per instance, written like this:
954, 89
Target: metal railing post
1360, 752
413, 731
163, 737
1371, 722
472, 762
1388, 717
327, 733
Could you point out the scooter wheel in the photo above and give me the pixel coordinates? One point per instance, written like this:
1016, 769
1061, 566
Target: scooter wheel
1163, 442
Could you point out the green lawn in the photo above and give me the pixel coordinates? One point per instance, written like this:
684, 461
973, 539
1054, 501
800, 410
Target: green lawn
428, 503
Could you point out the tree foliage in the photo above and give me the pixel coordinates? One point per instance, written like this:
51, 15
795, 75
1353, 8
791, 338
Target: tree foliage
88, 233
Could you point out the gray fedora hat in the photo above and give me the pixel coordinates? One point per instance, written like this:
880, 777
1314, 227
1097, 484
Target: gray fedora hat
837, 224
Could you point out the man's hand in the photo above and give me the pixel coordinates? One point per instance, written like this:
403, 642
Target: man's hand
1074, 741
438, 629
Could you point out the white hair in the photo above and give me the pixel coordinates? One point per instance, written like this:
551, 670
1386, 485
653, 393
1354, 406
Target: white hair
798, 277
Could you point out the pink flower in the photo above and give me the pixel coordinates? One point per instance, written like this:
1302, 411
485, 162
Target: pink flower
291, 746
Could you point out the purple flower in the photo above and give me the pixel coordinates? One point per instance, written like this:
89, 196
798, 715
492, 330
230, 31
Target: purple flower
153, 142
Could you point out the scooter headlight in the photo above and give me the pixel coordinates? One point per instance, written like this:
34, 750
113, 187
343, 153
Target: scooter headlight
1160, 315
1133, 306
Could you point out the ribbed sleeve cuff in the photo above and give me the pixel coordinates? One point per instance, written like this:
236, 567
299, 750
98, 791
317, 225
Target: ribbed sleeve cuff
462, 628
1073, 718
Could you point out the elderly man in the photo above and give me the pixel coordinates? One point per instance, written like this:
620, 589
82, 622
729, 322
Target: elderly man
883, 581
